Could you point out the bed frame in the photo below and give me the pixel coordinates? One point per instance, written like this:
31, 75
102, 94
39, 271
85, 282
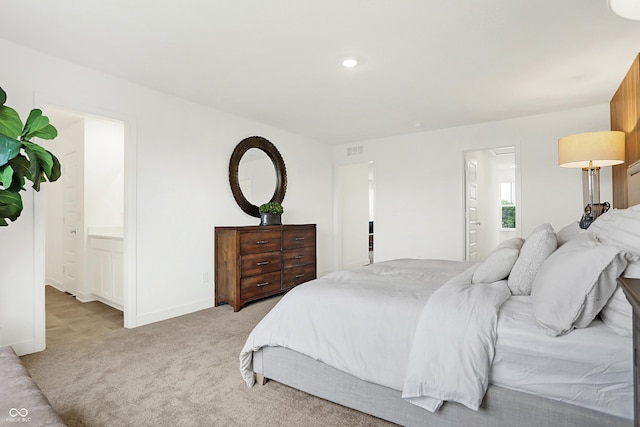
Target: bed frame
500, 407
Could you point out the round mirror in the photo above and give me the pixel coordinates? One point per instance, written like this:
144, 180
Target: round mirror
257, 174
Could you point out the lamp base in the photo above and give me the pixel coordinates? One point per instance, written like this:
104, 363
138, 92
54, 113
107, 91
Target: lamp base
591, 215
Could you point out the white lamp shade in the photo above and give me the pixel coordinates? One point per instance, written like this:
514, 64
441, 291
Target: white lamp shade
591, 149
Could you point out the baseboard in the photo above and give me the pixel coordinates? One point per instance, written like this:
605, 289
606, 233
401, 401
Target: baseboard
158, 316
26, 347
82, 297
110, 303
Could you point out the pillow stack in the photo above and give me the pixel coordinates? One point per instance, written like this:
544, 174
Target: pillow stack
572, 275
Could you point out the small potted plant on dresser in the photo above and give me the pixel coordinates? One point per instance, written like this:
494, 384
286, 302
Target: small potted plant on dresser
271, 213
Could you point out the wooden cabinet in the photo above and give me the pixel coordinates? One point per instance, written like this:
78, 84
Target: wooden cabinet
625, 114
255, 262
631, 289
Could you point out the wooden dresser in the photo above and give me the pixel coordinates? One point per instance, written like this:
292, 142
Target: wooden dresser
255, 262
631, 288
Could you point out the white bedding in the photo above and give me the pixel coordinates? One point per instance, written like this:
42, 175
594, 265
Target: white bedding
597, 359
453, 348
333, 318
384, 300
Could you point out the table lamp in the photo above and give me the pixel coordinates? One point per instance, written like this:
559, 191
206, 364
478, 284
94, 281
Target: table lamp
590, 151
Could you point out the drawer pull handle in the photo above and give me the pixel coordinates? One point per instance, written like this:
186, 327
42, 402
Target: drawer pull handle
299, 238
259, 285
299, 275
263, 263
298, 257
262, 242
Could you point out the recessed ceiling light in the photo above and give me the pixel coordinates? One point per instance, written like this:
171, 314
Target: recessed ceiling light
628, 9
349, 62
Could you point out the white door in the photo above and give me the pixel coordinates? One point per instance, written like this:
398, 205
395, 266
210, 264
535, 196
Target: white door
71, 223
471, 209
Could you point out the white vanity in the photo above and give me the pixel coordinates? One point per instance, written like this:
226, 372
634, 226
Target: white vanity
106, 265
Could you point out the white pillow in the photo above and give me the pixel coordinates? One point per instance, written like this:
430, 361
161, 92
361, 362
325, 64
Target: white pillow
498, 264
536, 249
617, 314
568, 232
621, 227
575, 283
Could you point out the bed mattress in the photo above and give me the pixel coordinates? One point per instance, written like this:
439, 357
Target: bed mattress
589, 367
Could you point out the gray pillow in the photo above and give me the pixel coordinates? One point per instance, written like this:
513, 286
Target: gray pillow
568, 232
536, 249
575, 283
498, 264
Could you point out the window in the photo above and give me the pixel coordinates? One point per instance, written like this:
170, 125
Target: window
508, 204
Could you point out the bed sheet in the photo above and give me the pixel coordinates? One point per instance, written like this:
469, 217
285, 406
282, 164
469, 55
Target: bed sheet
590, 367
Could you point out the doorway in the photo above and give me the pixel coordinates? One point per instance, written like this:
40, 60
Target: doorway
354, 188
84, 210
490, 200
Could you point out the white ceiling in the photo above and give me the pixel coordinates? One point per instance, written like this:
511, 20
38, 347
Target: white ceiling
425, 64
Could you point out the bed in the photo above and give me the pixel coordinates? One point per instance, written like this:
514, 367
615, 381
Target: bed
537, 334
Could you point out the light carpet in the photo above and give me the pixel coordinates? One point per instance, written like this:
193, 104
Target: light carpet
180, 372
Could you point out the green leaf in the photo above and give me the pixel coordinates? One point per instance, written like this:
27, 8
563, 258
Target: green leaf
10, 206
48, 132
10, 123
38, 126
9, 148
44, 165
3, 96
35, 165
37, 154
56, 170
20, 165
6, 175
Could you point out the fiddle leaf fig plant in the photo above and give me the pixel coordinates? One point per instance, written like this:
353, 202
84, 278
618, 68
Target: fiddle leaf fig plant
21, 159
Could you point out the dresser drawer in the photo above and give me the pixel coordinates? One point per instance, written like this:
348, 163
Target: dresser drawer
297, 257
298, 238
253, 264
294, 276
260, 241
258, 286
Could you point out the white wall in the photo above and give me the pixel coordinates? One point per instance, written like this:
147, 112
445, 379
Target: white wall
104, 173
419, 207
181, 152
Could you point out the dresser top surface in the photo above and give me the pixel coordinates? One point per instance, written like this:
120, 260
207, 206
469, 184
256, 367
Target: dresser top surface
263, 227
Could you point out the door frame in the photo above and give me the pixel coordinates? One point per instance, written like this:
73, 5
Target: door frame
130, 217
518, 184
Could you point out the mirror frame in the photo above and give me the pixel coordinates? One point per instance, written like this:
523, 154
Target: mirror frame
278, 163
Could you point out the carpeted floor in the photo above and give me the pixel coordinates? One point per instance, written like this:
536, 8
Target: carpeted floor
179, 372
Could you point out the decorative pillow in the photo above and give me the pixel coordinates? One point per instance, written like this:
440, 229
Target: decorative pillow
617, 314
498, 264
568, 232
575, 283
536, 249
